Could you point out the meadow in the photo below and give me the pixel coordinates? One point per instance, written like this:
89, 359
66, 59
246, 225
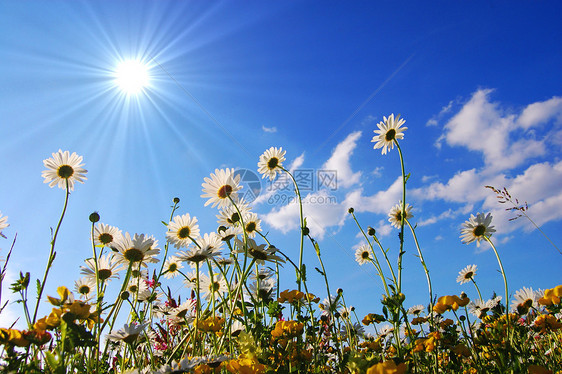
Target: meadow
240, 317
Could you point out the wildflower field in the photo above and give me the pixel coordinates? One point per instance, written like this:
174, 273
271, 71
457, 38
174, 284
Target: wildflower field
234, 315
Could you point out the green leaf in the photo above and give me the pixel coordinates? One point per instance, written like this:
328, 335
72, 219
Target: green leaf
52, 360
320, 271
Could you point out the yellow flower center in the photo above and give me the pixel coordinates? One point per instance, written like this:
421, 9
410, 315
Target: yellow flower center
105, 238
272, 163
84, 290
390, 135
479, 230
257, 254
133, 255
65, 171
224, 191
251, 227
184, 232
104, 274
235, 217
198, 257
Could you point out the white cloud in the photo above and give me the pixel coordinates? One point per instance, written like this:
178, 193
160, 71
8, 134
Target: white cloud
319, 209
483, 126
380, 202
506, 140
271, 129
377, 172
339, 161
369, 119
297, 163
464, 187
538, 113
434, 121
544, 198
538, 185
383, 228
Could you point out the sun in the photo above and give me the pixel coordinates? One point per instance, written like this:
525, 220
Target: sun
131, 76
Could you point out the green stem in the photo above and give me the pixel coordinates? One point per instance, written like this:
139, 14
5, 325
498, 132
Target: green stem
477, 289
51, 254
403, 216
298, 193
423, 264
503, 275
376, 260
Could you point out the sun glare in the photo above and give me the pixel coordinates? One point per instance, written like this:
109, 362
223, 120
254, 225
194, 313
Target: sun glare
131, 76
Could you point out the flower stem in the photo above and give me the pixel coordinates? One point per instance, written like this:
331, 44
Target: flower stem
503, 274
403, 216
297, 192
52, 255
423, 264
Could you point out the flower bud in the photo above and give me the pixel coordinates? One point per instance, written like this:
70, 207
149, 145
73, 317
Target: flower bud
371, 231
94, 217
350, 210
176, 200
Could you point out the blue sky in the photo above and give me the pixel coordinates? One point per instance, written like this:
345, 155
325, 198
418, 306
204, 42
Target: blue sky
478, 83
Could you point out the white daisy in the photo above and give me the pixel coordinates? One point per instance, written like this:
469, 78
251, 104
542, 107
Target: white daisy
172, 267
263, 288
416, 309
356, 330
476, 228
63, 167
230, 214
389, 131
395, 214
138, 289
222, 186
270, 162
264, 273
466, 274
105, 235
527, 298
3, 224
252, 224
107, 267
385, 330
209, 246
258, 252
182, 230
128, 334
229, 233
236, 327
138, 249
345, 312
185, 310
85, 286
216, 286
480, 308
329, 305
363, 254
